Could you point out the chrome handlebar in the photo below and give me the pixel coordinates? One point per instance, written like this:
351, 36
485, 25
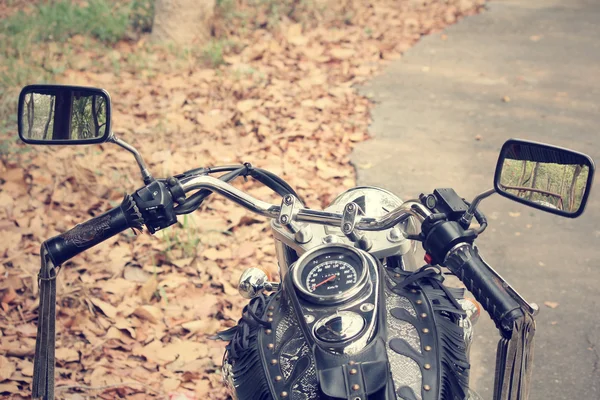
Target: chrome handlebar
365, 223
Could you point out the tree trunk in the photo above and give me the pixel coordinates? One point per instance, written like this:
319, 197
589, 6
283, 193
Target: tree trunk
533, 179
522, 178
572, 188
30, 114
183, 22
562, 182
50, 117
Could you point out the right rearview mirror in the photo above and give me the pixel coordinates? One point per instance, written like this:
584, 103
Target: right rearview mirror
55, 114
546, 177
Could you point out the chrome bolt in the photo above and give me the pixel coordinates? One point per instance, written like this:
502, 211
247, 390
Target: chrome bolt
288, 200
366, 307
284, 219
350, 207
347, 227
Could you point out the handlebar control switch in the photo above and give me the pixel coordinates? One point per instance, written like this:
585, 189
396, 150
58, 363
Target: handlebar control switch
450, 203
155, 202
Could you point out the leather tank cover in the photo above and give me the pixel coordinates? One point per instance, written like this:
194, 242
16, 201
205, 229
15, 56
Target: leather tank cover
418, 352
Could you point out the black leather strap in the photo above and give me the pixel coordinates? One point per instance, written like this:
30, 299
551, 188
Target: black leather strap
44, 362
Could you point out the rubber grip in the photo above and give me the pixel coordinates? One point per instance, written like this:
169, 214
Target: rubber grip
468, 266
88, 234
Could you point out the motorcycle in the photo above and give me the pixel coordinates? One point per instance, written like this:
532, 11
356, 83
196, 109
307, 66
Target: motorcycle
353, 316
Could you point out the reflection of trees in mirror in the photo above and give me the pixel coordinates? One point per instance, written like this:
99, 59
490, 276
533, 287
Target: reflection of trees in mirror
558, 186
89, 117
39, 110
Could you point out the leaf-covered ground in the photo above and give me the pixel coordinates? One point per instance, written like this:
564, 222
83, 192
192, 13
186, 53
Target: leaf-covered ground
134, 312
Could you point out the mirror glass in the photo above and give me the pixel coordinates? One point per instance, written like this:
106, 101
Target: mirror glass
545, 177
51, 114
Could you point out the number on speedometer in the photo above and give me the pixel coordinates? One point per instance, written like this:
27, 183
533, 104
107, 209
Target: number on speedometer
331, 277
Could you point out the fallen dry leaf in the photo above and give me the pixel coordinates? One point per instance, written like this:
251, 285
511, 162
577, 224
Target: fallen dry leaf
147, 290
551, 304
207, 326
107, 309
7, 368
66, 354
149, 313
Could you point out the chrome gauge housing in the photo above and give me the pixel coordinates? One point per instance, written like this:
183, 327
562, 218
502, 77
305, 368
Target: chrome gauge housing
330, 274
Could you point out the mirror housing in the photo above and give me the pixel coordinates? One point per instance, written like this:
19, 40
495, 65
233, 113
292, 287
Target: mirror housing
545, 177
58, 114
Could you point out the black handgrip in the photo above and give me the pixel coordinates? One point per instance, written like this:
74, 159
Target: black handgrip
465, 262
88, 234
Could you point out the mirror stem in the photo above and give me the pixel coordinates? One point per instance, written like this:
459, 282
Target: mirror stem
467, 217
146, 175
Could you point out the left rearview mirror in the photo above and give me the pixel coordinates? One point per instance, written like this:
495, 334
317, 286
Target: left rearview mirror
56, 114
545, 177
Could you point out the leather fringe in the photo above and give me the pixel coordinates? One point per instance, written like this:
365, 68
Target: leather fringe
45, 362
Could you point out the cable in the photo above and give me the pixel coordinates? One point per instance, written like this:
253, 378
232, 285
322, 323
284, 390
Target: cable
267, 178
193, 202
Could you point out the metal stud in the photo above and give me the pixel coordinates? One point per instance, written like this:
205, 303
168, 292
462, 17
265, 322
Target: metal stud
355, 387
269, 319
269, 314
424, 315
271, 308
427, 366
419, 302
427, 348
353, 371
278, 378
352, 363
284, 394
270, 346
425, 330
413, 290
397, 275
267, 331
427, 388
273, 362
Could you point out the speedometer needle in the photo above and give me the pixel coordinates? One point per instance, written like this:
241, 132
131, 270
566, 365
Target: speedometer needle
332, 277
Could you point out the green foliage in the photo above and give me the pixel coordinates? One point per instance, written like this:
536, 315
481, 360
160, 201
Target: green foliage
61, 20
180, 244
213, 52
142, 15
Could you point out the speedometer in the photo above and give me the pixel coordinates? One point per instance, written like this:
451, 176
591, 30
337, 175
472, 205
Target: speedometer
329, 277
330, 273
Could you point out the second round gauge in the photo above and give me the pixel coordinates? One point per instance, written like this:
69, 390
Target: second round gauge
331, 277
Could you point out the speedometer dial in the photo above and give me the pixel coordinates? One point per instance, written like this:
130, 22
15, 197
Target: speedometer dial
330, 273
331, 277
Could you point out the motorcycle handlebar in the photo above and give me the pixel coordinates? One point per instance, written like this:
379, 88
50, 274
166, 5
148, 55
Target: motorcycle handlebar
365, 223
98, 229
464, 261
